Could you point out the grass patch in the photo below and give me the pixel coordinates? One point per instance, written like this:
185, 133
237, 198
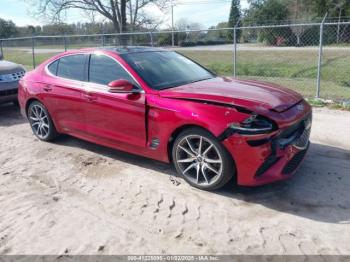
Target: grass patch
25, 58
296, 69
334, 105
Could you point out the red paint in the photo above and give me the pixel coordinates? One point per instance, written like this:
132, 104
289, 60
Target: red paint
129, 122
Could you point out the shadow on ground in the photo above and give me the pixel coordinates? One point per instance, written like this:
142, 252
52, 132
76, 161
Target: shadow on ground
10, 115
322, 182
320, 185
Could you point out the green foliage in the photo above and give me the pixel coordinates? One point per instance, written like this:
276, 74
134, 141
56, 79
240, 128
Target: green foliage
203, 43
334, 8
218, 35
271, 11
234, 18
7, 28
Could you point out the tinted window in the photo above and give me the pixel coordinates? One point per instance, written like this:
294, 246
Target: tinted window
104, 70
53, 67
166, 69
72, 67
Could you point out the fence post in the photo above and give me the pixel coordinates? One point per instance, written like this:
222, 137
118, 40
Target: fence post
172, 25
103, 40
1, 49
33, 51
65, 43
320, 53
235, 49
151, 35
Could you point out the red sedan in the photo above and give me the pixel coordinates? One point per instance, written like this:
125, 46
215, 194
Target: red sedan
162, 105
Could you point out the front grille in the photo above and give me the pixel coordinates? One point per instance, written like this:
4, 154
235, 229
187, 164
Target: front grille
303, 140
297, 135
8, 92
294, 163
11, 77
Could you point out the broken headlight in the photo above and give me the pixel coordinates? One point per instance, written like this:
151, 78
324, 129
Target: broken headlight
253, 125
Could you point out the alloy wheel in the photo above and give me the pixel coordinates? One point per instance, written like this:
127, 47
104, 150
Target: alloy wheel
199, 160
39, 121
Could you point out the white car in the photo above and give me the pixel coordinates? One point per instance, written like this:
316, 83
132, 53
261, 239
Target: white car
10, 74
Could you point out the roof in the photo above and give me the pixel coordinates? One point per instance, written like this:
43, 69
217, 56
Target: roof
132, 49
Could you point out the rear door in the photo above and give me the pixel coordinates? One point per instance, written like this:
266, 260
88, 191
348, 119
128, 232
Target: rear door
114, 117
64, 92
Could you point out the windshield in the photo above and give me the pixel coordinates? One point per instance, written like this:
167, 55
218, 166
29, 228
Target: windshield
163, 69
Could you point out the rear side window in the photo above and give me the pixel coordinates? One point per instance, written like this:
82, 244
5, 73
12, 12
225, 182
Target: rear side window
53, 67
72, 67
104, 70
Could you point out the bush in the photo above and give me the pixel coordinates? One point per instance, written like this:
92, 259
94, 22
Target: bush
187, 44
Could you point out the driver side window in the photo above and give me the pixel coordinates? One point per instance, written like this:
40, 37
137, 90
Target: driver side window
103, 70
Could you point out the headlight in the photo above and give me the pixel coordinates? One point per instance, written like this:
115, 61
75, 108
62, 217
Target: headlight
253, 125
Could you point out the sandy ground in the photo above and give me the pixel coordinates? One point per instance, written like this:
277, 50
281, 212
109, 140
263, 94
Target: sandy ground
78, 198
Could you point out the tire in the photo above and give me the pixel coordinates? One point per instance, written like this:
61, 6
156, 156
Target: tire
41, 122
209, 169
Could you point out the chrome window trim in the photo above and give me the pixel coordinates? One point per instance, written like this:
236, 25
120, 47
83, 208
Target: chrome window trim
85, 84
58, 77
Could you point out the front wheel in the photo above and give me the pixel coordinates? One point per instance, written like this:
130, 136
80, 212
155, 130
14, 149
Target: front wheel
202, 160
41, 122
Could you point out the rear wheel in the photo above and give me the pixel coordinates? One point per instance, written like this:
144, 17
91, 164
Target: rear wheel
202, 160
41, 122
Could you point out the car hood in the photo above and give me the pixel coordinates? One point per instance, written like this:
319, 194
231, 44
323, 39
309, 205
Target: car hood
250, 94
7, 67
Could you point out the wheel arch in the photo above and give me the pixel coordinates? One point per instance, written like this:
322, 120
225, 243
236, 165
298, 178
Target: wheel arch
29, 101
182, 128
35, 99
175, 134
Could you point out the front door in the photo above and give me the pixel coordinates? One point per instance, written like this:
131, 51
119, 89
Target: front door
114, 117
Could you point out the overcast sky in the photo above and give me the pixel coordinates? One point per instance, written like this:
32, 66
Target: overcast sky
207, 14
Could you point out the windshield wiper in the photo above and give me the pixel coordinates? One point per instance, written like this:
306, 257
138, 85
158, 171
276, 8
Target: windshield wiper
200, 80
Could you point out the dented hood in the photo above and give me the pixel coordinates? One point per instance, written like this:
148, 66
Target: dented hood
244, 93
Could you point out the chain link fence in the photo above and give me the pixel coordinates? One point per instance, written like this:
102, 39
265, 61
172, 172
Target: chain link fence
312, 58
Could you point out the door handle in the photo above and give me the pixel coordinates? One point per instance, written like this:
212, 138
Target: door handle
89, 97
47, 88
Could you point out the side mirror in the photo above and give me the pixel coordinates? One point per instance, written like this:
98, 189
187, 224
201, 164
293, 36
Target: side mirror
120, 86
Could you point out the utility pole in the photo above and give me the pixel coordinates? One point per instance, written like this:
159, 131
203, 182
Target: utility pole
172, 24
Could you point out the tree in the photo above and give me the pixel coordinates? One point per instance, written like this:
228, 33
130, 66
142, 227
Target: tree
221, 35
234, 18
299, 10
263, 12
7, 28
185, 25
120, 12
335, 9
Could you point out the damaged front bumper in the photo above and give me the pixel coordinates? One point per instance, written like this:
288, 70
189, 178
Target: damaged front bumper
264, 159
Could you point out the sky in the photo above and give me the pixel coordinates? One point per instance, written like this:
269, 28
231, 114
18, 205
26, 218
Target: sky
206, 12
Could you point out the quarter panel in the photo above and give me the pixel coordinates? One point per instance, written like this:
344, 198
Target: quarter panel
166, 115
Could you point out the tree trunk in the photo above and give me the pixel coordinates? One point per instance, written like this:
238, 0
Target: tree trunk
117, 30
124, 28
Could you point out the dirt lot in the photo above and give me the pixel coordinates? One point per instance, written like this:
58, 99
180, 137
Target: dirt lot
78, 198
